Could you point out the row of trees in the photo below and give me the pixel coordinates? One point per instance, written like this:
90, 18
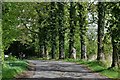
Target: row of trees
0, 50
50, 25
108, 18
0, 42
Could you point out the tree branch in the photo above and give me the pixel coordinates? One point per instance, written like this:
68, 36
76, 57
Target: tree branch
30, 29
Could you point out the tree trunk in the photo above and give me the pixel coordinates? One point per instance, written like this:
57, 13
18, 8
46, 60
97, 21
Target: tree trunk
53, 50
83, 47
72, 28
101, 21
61, 29
45, 42
53, 30
46, 52
61, 49
40, 35
115, 52
41, 45
82, 24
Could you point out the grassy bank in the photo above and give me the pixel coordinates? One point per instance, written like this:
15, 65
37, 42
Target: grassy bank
13, 68
99, 67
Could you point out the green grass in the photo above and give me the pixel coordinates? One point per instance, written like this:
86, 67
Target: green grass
13, 68
99, 67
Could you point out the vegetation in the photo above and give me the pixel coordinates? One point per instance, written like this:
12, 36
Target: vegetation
12, 68
50, 30
1, 51
1, 59
99, 67
101, 22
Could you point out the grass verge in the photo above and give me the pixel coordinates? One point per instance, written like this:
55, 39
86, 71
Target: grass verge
13, 68
99, 67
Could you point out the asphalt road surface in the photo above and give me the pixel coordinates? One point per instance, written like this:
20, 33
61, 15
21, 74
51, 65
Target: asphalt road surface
60, 70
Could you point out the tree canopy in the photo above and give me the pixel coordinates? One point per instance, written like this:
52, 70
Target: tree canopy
52, 29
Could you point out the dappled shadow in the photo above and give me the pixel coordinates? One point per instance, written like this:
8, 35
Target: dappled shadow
57, 70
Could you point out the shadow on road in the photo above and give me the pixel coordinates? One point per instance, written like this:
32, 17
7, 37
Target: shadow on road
55, 70
64, 78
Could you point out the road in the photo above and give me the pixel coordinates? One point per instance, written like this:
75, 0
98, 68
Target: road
45, 69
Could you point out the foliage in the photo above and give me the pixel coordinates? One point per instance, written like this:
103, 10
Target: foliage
113, 29
13, 68
82, 14
11, 58
51, 29
9, 23
1, 51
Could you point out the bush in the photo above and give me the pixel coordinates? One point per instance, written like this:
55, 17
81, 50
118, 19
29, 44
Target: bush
11, 58
12, 68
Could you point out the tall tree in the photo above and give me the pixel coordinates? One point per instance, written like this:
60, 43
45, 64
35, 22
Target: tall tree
41, 31
53, 28
101, 21
61, 29
35, 23
10, 23
115, 49
114, 11
82, 24
72, 13
1, 51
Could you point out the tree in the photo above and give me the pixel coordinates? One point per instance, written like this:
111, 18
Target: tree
115, 35
1, 47
72, 13
28, 22
114, 10
101, 21
53, 28
61, 29
82, 24
10, 23
35, 22
40, 30
1, 50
